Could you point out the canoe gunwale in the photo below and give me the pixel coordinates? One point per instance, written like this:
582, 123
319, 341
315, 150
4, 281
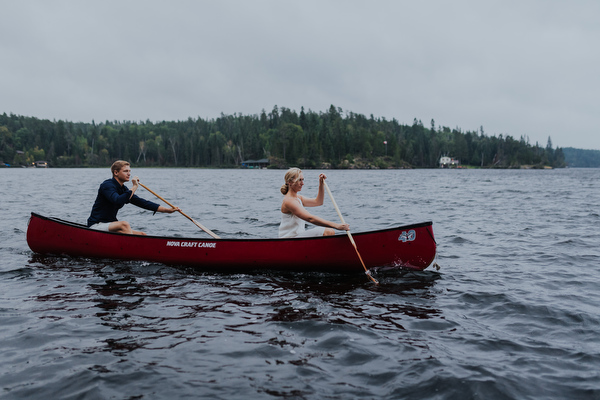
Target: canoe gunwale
81, 226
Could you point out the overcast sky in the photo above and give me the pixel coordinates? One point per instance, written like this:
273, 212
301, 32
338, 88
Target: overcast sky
519, 68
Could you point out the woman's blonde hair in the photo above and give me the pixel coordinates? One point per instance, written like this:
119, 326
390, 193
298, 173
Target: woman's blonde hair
292, 176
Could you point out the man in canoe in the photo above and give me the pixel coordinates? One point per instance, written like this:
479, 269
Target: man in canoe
294, 214
112, 195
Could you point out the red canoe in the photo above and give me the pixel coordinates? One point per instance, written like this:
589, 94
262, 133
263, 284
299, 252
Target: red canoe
408, 247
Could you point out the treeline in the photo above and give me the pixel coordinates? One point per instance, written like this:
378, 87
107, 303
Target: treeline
307, 139
582, 158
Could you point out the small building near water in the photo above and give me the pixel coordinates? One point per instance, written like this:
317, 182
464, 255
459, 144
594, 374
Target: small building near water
449, 162
40, 164
262, 163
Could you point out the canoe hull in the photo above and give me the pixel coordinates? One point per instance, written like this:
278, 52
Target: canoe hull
407, 247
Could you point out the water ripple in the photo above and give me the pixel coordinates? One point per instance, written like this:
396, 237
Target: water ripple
513, 312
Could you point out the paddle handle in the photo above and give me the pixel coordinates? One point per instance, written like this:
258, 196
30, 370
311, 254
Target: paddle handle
348, 232
334, 203
339, 213
182, 213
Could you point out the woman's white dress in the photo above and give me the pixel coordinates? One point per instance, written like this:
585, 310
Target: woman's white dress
292, 226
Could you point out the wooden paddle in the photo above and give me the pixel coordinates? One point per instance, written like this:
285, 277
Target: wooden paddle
349, 235
184, 214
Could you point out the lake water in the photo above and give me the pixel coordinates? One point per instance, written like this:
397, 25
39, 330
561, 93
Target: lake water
513, 313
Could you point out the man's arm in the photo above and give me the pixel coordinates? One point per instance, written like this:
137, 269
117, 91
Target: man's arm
109, 191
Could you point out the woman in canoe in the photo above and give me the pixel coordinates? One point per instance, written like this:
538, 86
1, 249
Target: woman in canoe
294, 214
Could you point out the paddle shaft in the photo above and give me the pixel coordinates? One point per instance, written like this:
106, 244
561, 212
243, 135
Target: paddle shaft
182, 213
348, 232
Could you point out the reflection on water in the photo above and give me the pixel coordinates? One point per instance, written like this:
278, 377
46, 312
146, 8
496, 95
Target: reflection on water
124, 292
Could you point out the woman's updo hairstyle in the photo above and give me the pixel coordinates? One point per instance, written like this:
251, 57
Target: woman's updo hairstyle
291, 176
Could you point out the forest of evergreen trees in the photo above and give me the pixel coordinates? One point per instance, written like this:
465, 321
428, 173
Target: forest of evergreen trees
581, 158
331, 139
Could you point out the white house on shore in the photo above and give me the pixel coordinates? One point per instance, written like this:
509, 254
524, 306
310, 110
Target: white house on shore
448, 162
40, 164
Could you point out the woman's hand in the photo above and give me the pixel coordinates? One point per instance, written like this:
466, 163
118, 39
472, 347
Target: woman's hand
343, 227
322, 178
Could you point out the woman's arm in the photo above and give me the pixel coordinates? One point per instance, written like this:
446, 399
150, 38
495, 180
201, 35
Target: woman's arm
317, 201
291, 206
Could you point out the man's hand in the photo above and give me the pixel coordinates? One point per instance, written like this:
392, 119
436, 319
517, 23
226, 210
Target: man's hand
168, 210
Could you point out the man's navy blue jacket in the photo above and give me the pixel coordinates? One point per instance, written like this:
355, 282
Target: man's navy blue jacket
111, 197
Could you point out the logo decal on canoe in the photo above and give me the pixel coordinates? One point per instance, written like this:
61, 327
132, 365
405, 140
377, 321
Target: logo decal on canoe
183, 243
407, 236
